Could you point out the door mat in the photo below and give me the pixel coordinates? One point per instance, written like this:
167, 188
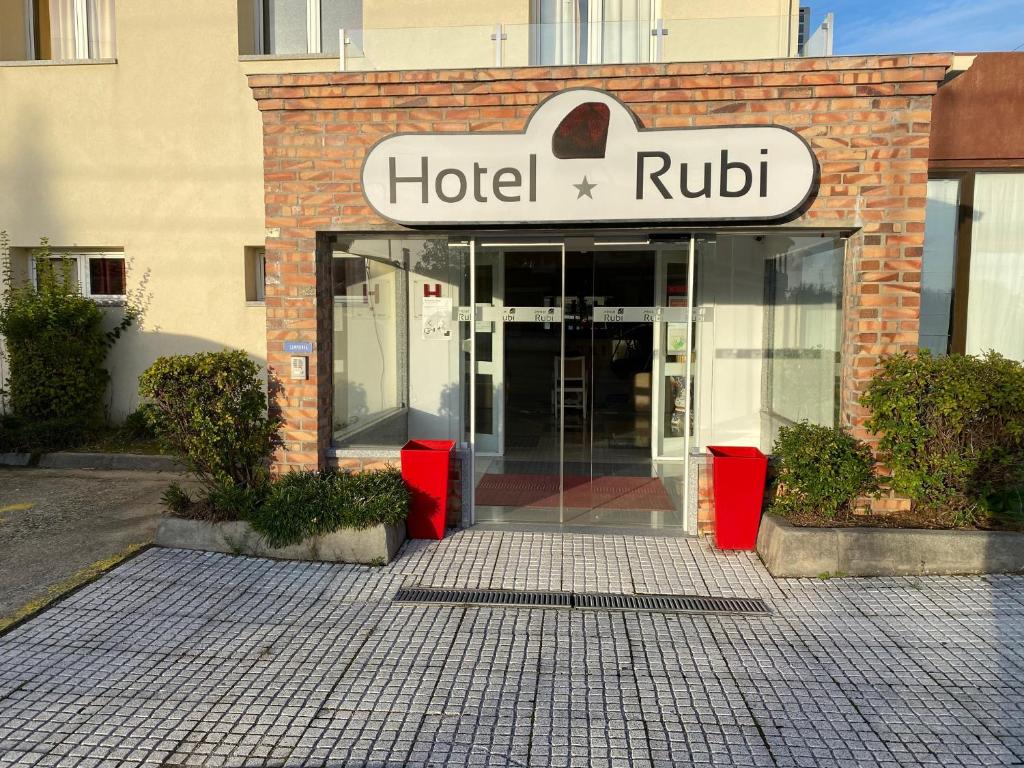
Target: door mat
609, 492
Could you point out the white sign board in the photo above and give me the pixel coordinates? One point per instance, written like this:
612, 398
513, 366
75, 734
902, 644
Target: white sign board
639, 314
583, 157
521, 314
437, 318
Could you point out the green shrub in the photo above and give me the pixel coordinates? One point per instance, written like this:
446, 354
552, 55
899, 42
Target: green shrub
140, 423
228, 500
1007, 506
221, 501
56, 348
177, 500
951, 429
211, 413
821, 471
44, 435
303, 504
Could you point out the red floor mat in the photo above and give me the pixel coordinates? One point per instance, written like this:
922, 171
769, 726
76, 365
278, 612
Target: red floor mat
609, 492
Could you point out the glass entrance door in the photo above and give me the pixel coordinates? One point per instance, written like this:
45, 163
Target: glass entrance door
630, 301
518, 356
580, 403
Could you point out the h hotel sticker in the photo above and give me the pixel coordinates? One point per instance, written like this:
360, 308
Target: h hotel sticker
584, 157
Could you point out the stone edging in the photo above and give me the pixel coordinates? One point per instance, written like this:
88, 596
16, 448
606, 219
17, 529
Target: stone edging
73, 460
789, 551
371, 546
76, 460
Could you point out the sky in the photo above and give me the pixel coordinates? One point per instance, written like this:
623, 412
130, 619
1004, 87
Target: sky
904, 26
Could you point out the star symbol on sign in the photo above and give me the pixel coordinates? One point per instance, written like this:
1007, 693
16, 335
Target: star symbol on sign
584, 188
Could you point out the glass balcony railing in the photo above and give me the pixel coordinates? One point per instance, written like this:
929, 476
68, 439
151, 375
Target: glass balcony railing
633, 41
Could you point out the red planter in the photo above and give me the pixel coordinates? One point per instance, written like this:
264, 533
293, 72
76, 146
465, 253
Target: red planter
425, 467
738, 475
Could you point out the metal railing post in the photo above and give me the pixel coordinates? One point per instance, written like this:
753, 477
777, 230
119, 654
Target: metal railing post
498, 36
659, 33
341, 49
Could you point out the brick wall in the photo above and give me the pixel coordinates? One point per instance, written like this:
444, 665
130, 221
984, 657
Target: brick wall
705, 499
866, 118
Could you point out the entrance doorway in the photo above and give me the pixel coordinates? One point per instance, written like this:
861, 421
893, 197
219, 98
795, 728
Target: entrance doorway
580, 410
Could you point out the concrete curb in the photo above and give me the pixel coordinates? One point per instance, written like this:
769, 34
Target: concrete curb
15, 459
371, 546
789, 551
146, 462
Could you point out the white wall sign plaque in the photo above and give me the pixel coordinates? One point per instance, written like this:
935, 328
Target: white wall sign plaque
584, 158
639, 314
521, 314
437, 318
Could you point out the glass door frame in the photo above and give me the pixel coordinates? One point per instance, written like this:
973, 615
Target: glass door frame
557, 244
552, 245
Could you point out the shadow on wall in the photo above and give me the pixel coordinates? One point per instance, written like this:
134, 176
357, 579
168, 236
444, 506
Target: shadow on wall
449, 408
139, 349
26, 169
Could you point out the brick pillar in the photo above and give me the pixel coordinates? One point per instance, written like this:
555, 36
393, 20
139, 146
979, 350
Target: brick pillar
705, 499
882, 296
298, 309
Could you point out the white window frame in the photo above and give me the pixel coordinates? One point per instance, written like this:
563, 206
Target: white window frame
30, 30
313, 16
80, 9
81, 259
255, 275
261, 275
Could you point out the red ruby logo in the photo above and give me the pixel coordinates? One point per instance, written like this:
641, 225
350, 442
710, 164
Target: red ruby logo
583, 133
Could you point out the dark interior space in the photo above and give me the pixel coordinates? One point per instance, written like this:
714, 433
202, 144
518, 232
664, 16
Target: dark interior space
614, 407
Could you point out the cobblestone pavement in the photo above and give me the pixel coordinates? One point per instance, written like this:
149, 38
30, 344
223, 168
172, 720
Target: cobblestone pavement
185, 658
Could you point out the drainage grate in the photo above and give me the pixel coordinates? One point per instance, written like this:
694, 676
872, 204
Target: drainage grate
514, 598
671, 603
483, 597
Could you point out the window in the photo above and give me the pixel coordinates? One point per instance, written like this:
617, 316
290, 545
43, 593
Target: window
938, 267
370, 321
62, 30
770, 339
100, 276
591, 31
972, 277
392, 377
307, 26
803, 331
995, 299
255, 273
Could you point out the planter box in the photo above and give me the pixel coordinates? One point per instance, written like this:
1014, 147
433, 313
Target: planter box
371, 546
789, 551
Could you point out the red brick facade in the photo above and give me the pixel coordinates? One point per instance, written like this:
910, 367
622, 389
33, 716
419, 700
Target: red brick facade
867, 119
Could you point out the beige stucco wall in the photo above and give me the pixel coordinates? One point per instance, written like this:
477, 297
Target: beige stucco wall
159, 154
705, 30
422, 33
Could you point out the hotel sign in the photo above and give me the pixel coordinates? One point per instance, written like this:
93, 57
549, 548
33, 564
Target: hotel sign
584, 158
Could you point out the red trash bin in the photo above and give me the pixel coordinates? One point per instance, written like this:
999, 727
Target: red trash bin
425, 465
738, 475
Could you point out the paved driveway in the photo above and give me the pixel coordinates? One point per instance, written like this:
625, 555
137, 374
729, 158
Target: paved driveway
183, 658
55, 524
